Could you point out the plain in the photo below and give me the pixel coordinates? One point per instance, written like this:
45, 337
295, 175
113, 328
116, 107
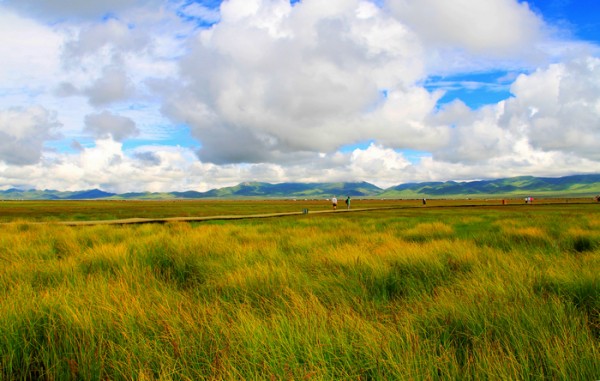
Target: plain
437, 292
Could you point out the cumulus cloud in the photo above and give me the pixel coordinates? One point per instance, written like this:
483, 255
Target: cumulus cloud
59, 10
555, 110
559, 107
29, 51
377, 164
106, 165
114, 35
106, 124
496, 27
473, 36
115, 59
23, 133
274, 92
263, 90
476, 136
114, 85
148, 158
275, 78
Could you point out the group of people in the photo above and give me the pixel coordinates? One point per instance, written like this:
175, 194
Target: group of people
334, 202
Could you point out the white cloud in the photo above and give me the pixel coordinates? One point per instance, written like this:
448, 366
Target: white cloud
114, 85
378, 165
402, 121
113, 34
61, 10
555, 112
148, 158
462, 36
30, 55
107, 166
106, 124
272, 91
23, 133
559, 107
493, 27
271, 78
476, 135
529, 162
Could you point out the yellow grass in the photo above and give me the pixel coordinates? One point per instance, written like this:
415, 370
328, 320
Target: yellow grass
444, 294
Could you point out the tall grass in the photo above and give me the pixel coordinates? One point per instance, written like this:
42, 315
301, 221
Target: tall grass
78, 210
428, 294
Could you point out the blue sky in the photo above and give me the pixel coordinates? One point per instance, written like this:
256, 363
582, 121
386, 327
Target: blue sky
578, 17
136, 95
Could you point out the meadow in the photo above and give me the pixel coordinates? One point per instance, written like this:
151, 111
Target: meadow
413, 293
86, 210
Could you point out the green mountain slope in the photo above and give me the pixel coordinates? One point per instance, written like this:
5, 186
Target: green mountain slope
578, 185
47, 194
574, 186
306, 190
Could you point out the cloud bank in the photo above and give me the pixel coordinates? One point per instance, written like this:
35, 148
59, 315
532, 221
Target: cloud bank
178, 95
23, 133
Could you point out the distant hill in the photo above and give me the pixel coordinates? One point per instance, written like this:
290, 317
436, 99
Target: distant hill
90, 194
574, 186
304, 190
578, 185
48, 194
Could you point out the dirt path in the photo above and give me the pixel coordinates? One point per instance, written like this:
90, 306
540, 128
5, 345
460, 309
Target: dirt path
128, 221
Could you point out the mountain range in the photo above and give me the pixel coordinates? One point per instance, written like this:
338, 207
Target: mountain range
573, 186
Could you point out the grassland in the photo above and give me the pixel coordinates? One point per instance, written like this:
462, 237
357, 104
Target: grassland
77, 210
488, 292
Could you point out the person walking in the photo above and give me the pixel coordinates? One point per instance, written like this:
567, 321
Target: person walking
348, 202
334, 202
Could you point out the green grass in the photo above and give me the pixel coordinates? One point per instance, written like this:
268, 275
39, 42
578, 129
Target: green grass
416, 293
49, 210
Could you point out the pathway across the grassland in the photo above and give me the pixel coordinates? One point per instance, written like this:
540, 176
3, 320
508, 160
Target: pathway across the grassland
130, 221
127, 221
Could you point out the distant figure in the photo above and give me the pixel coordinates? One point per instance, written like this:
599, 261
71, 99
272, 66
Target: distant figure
597, 198
348, 202
424, 202
334, 202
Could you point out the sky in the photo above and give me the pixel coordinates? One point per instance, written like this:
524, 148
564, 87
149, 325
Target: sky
149, 95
